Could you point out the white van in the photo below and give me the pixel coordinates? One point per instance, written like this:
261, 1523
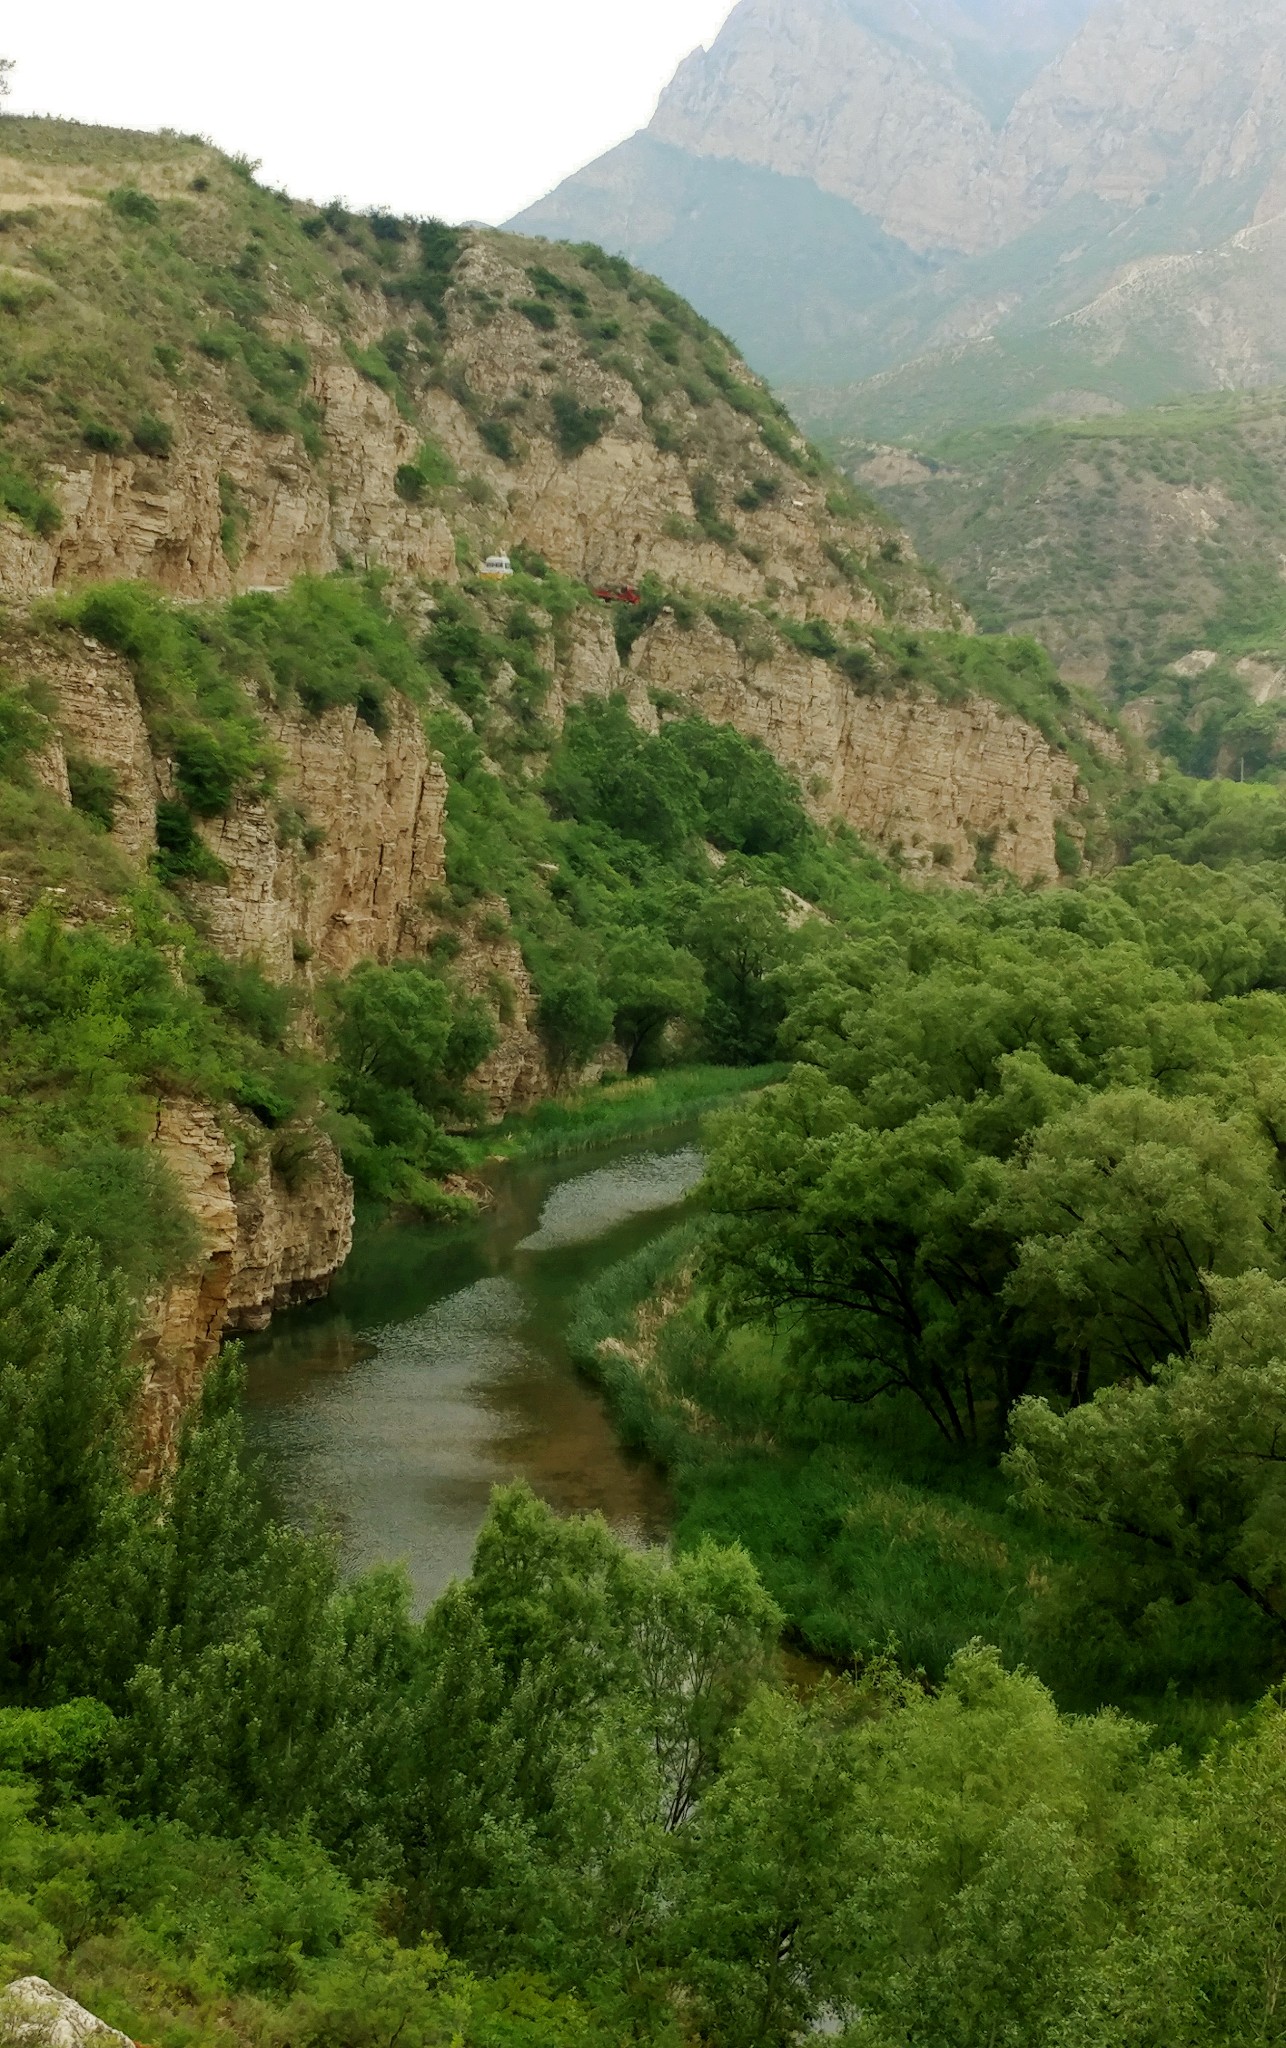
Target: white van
496, 568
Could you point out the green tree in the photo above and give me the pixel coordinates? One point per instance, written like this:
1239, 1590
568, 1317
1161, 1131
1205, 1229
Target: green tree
406, 1045
575, 1017
749, 804
1124, 1208
66, 1382
650, 984
607, 772
1182, 1480
1007, 1847
740, 936
767, 1914
876, 1244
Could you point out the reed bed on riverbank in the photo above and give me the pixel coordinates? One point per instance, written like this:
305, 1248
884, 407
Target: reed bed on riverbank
626, 1108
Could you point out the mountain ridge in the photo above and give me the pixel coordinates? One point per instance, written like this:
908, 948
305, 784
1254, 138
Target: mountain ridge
1154, 130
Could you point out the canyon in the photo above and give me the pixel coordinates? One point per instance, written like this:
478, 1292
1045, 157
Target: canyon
685, 475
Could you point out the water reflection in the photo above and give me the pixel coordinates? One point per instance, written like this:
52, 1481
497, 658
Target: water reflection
439, 1367
594, 1203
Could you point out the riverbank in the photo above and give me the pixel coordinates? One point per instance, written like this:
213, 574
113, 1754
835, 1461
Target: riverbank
873, 1536
614, 1111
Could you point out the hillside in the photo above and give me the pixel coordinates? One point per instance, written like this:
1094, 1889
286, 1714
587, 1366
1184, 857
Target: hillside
419, 848
994, 211
1145, 551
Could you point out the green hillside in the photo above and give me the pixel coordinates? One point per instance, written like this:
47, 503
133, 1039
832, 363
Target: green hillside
1127, 544
799, 277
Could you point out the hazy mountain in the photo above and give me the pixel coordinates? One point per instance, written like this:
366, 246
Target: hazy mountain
1049, 206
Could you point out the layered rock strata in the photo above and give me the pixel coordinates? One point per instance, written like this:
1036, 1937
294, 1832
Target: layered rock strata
303, 906
939, 782
274, 1229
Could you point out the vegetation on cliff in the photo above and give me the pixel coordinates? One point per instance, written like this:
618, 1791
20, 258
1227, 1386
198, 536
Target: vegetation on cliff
1143, 549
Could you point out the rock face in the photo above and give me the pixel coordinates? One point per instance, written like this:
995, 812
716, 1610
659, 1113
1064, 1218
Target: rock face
377, 800
939, 782
274, 1231
34, 2015
1104, 180
886, 108
126, 517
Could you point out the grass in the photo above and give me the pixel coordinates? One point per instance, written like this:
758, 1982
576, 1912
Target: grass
873, 1536
620, 1109
1124, 543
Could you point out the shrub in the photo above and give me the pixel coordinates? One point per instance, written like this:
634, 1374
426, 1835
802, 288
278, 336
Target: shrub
180, 855
432, 470
28, 503
705, 499
577, 426
813, 637
128, 203
540, 313
664, 338
103, 439
759, 492
613, 270
93, 790
497, 436
154, 437
22, 730
438, 251
857, 663
267, 418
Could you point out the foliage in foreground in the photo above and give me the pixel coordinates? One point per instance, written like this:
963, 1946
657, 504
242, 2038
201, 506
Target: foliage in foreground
240, 1800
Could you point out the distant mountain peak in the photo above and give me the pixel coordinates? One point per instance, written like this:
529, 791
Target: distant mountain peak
1030, 154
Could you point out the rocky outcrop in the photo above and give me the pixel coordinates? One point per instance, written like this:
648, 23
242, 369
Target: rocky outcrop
182, 1327
937, 781
34, 2015
328, 873
294, 1206
99, 718
810, 91
886, 110
624, 507
123, 516
274, 1228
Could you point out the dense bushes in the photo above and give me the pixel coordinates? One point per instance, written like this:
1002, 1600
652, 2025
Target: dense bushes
405, 1045
1023, 1187
254, 1803
94, 1025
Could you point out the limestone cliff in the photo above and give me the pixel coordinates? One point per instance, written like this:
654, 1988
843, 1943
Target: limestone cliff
376, 804
903, 110
936, 781
274, 1230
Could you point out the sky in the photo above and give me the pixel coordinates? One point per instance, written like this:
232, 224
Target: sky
467, 111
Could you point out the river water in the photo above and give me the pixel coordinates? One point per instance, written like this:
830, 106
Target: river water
438, 1368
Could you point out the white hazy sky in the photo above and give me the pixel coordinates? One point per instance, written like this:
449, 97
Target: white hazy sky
469, 111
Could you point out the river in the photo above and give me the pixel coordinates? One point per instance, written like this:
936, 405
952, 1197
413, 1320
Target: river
438, 1368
